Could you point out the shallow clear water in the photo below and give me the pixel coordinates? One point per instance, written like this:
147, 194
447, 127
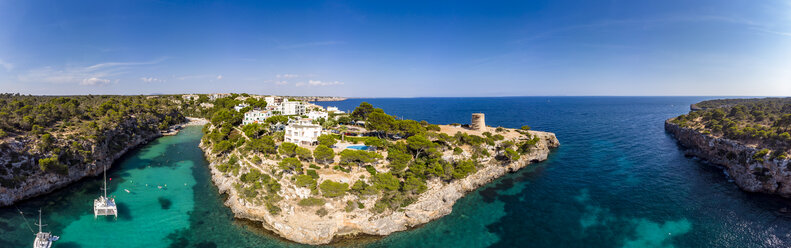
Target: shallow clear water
616, 181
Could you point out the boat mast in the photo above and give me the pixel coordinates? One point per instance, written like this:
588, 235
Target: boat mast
105, 182
39, 221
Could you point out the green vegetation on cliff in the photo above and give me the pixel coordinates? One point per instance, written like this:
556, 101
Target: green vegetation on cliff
765, 123
52, 134
404, 156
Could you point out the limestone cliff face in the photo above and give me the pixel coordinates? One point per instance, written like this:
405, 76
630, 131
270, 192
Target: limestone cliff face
303, 226
116, 142
768, 176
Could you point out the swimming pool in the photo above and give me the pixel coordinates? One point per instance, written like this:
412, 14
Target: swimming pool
358, 147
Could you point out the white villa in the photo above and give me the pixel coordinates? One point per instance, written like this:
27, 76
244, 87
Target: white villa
274, 100
292, 108
240, 106
302, 132
191, 97
256, 116
318, 115
216, 96
334, 109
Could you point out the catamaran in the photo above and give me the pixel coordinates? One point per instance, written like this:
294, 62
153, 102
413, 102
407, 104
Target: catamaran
43, 239
103, 205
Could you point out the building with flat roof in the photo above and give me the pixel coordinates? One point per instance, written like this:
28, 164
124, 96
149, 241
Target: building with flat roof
302, 132
256, 116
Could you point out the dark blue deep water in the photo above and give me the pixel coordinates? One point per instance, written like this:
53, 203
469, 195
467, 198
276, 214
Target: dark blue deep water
617, 180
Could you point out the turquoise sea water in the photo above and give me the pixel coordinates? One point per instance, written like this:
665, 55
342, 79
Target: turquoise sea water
616, 181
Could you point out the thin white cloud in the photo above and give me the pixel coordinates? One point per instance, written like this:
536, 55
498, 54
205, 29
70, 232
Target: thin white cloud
318, 83
282, 82
95, 81
287, 75
312, 44
98, 74
774, 32
219, 77
151, 80
6, 65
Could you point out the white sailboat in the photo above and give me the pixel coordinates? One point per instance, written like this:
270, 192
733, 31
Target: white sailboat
103, 205
43, 239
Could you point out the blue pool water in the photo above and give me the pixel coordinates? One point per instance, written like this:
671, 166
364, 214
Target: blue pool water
617, 180
358, 147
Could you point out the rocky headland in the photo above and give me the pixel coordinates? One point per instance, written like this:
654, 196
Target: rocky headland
97, 155
303, 224
748, 137
751, 169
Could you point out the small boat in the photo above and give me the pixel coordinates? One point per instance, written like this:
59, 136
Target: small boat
127, 191
105, 205
43, 239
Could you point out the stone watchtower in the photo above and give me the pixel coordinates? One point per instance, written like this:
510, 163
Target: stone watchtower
478, 122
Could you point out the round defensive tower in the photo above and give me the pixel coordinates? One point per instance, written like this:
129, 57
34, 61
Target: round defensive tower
478, 122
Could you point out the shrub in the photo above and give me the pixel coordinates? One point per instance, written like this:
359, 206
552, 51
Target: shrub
313, 174
327, 140
759, 156
349, 206
333, 189
303, 154
386, 181
311, 201
291, 164
52, 164
525, 127
324, 154
287, 149
305, 181
358, 157
222, 146
322, 212
457, 150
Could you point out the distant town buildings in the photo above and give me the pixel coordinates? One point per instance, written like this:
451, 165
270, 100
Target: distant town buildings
191, 97
302, 132
216, 96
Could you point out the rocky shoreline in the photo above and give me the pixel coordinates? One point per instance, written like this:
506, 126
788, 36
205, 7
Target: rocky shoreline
43, 183
302, 226
753, 174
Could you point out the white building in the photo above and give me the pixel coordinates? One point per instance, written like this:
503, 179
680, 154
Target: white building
334, 109
292, 108
318, 115
302, 132
190, 97
255, 116
274, 100
216, 96
240, 106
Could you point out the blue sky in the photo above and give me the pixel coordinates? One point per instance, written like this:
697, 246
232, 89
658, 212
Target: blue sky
397, 49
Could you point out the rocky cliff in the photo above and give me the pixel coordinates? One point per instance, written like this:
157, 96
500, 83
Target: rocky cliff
751, 172
111, 145
301, 225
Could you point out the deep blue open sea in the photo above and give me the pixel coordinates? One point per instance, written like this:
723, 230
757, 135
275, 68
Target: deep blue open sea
617, 180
